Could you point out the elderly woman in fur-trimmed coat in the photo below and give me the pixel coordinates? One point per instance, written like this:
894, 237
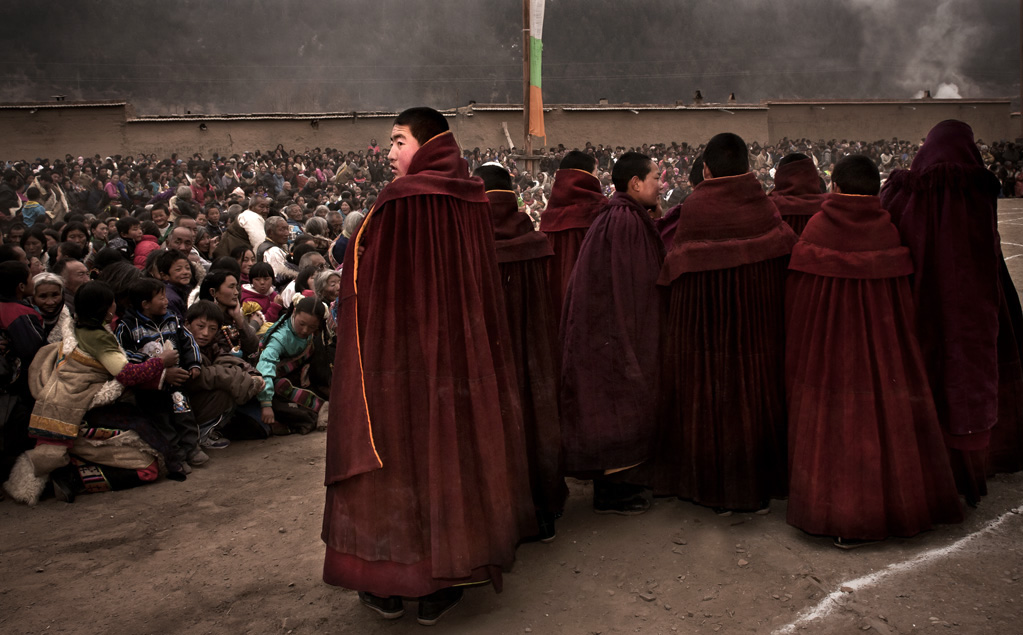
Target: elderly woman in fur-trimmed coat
87, 370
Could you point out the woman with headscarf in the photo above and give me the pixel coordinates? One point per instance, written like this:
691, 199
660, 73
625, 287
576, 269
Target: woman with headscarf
968, 317
48, 297
88, 370
351, 225
327, 286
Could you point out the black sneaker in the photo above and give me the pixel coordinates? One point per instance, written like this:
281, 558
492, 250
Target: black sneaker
434, 606
632, 506
852, 543
545, 526
390, 608
214, 441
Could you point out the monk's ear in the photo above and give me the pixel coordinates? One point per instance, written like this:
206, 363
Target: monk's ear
706, 172
634, 184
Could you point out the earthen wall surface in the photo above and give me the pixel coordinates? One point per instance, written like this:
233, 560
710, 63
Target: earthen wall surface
872, 121
105, 129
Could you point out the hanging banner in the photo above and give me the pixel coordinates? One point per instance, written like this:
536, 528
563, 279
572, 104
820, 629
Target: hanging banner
535, 75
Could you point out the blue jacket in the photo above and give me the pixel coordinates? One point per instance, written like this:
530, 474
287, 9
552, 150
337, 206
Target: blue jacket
135, 331
32, 212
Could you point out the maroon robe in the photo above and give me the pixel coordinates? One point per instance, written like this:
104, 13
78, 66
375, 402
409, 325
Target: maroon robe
667, 224
522, 255
610, 331
797, 193
722, 437
1005, 451
576, 198
427, 482
945, 207
866, 453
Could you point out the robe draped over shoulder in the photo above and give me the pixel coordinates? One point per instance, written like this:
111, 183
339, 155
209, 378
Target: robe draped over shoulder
427, 482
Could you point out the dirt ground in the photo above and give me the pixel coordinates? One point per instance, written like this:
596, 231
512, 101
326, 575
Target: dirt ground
236, 549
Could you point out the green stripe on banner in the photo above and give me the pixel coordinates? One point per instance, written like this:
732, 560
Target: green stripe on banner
535, 51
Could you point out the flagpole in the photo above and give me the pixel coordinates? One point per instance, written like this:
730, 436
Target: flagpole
528, 143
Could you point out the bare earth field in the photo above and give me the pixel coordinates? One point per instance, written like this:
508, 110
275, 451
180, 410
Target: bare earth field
236, 549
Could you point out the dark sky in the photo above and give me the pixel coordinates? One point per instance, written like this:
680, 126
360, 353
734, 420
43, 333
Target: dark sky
230, 56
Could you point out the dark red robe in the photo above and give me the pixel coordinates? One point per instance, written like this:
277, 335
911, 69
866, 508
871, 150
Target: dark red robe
522, 255
667, 224
945, 207
576, 198
427, 482
722, 436
610, 332
867, 458
1005, 452
797, 193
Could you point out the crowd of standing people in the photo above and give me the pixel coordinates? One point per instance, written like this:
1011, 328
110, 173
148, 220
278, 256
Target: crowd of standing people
724, 323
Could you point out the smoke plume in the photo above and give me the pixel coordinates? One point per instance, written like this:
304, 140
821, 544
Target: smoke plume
211, 56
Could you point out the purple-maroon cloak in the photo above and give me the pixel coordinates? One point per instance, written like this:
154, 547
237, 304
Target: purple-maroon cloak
427, 482
522, 255
797, 193
576, 199
667, 224
610, 342
945, 207
721, 441
867, 458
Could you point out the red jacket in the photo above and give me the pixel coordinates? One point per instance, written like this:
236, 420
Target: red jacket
142, 250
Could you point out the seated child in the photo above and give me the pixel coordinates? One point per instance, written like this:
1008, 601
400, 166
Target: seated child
129, 232
225, 381
32, 211
261, 291
73, 376
287, 402
146, 244
176, 272
145, 331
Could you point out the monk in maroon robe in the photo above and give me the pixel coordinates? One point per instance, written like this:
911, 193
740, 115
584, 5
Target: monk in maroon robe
722, 439
427, 482
867, 458
522, 256
576, 198
610, 344
797, 190
946, 210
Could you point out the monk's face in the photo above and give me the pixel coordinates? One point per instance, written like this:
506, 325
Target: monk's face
646, 191
403, 147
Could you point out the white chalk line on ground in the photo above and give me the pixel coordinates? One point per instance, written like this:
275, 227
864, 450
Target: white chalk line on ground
831, 601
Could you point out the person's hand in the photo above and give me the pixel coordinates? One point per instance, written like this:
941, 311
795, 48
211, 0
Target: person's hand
235, 313
259, 383
169, 357
268, 415
176, 376
192, 374
279, 299
361, 251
